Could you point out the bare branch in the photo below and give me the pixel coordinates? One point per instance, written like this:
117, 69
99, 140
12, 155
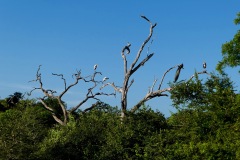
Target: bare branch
128, 72
38, 75
118, 89
39, 79
89, 95
58, 120
48, 93
132, 81
149, 46
77, 75
154, 82
142, 63
149, 96
90, 108
144, 43
165, 75
30, 93
45, 105
152, 94
78, 78
64, 80
52, 111
203, 72
97, 104
124, 57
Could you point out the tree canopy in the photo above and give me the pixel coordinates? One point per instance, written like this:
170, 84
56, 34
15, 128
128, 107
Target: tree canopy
231, 51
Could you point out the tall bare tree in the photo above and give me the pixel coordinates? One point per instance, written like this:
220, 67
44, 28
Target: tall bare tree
135, 65
49, 93
128, 72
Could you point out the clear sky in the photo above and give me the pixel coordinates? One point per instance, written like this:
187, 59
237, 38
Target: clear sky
64, 36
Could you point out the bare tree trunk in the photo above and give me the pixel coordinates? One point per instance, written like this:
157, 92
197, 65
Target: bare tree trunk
128, 72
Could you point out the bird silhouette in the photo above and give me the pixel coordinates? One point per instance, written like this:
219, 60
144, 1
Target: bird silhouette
178, 72
127, 47
144, 17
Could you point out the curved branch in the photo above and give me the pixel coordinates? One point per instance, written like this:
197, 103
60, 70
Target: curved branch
144, 43
142, 63
149, 96
64, 80
165, 75
114, 87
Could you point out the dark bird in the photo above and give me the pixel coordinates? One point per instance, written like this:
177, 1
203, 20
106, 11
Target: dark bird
145, 18
178, 72
127, 47
204, 65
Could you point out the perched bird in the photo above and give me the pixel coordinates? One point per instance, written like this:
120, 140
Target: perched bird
204, 65
95, 66
105, 78
127, 47
144, 17
178, 72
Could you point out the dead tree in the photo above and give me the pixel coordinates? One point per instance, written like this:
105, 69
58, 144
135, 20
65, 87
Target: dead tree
135, 65
49, 93
128, 72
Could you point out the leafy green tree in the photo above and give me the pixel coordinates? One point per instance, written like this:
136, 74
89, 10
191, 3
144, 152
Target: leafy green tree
3, 107
203, 126
21, 130
79, 139
101, 134
231, 50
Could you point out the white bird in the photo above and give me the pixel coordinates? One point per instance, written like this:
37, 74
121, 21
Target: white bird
204, 65
105, 78
95, 66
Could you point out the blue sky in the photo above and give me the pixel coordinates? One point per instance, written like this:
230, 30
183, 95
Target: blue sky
64, 36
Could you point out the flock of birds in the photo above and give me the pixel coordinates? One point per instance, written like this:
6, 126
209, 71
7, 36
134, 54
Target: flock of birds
176, 74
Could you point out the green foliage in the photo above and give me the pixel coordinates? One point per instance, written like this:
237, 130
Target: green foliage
21, 130
102, 135
188, 94
231, 51
237, 20
206, 126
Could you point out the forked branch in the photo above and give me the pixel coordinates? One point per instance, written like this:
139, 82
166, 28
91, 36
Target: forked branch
128, 72
48, 93
158, 93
